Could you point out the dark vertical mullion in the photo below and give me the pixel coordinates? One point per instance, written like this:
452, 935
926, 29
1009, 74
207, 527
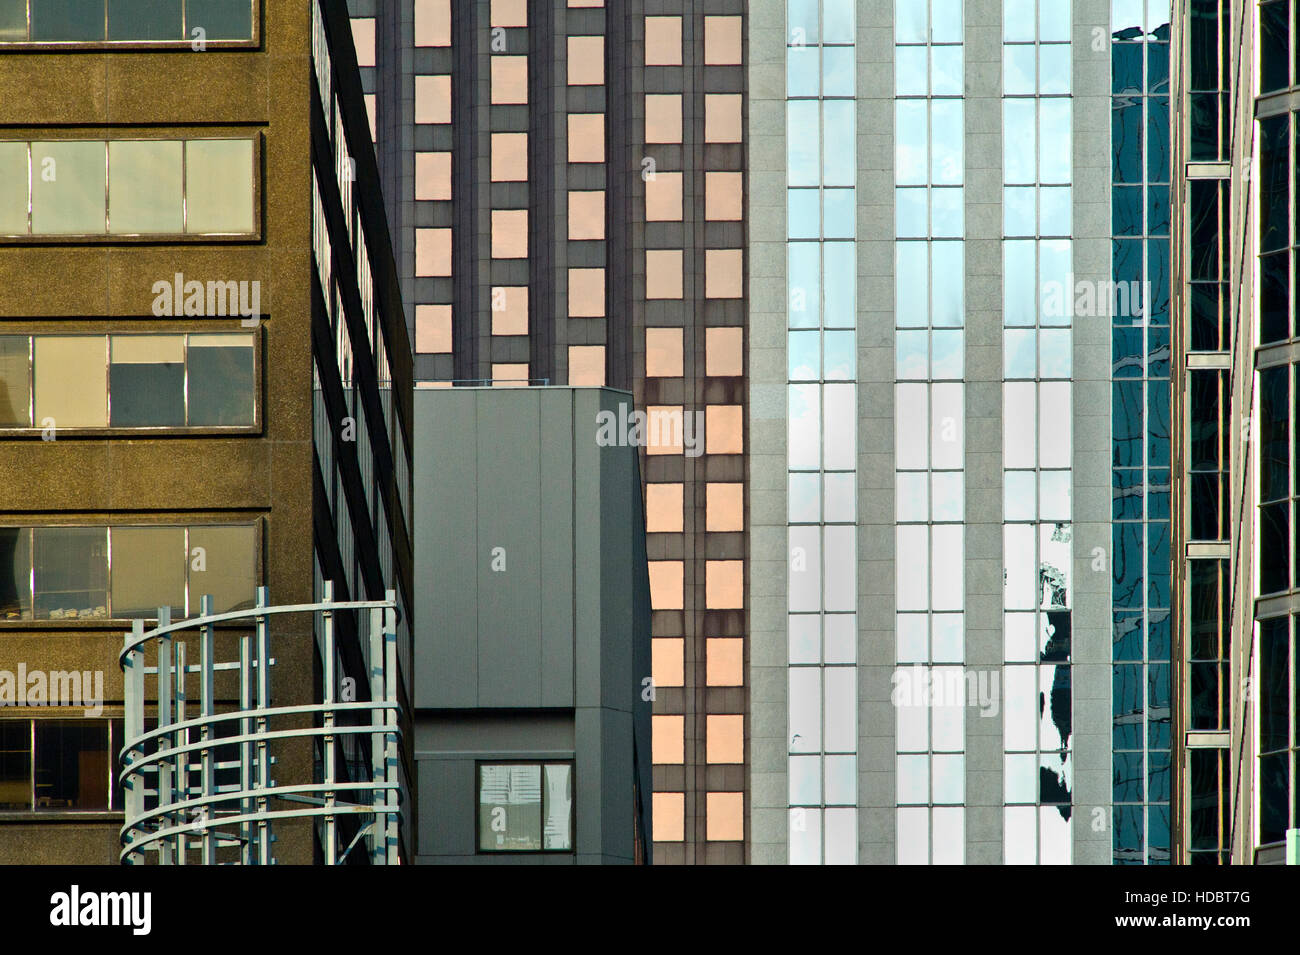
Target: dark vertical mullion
467, 196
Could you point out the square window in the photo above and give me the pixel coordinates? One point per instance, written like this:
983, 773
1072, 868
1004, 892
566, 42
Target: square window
146, 376
221, 382
723, 352
724, 817
433, 22
145, 191
74, 203
229, 570
724, 429
666, 584
724, 507
586, 137
509, 310
71, 572
509, 233
663, 429
667, 739
509, 157
433, 175
663, 197
663, 352
722, 43
586, 60
722, 196
722, 122
224, 203
663, 41
509, 375
663, 508
433, 252
363, 38
71, 380
587, 215
725, 664
724, 738
525, 807
148, 571
509, 13
433, 99
668, 661
587, 366
586, 293
668, 817
433, 329
663, 118
724, 584
663, 273
509, 79
723, 273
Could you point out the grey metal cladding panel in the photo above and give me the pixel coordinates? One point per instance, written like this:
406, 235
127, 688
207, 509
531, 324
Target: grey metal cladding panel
588, 572
617, 567
558, 427
446, 585
509, 517
447, 810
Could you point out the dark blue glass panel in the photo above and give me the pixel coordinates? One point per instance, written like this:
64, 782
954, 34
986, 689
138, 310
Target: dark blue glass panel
1126, 210
1126, 423
1126, 68
1158, 210
1127, 565
1126, 492
1158, 351
1126, 777
1158, 276
1127, 645
1158, 729
1158, 494
1157, 830
1157, 67
1158, 642
1158, 685
1126, 699
1274, 46
1126, 351
1158, 777
1274, 787
1126, 140
1158, 139
1274, 183
1128, 834
1158, 423
1274, 296
1158, 568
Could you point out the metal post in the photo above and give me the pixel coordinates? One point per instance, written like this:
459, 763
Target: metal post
182, 761
263, 753
166, 787
328, 740
206, 710
133, 686
378, 744
390, 716
246, 677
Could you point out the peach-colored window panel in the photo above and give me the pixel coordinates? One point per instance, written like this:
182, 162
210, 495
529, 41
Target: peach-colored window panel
587, 215
663, 117
663, 273
587, 366
667, 738
509, 233
433, 329
724, 431
433, 175
663, 429
575, 4
508, 375
363, 38
433, 252
724, 273
667, 661
724, 507
663, 352
663, 41
372, 104
509, 13
663, 197
509, 157
724, 584
722, 123
586, 60
509, 79
668, 817
665, 584
725, 661
722, 196
723, 352
586, 137
722, 41
586, 293
724, 817
433, 22
433, 99
724, 738
432, 384
510, 310
663, 508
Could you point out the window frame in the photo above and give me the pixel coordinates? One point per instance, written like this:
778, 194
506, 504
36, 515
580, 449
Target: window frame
541, 763
115, 727
106, 45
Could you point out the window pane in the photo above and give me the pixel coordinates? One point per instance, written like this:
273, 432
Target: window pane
221, 383
147, 378
144, 19
15, 404
13, 188
144, 187
68, 188
148, 571
510, 808
15, 580
219, 186
559, 805
223, 563
68, 20
220, 19
15, 764
71, 375
72, 765
71, 572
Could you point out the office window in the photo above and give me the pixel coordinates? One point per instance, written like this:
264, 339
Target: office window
664, 425
722, 41
663, 508
433, 98
725, 661
587, 215
148, 570
510, 375
724, 584
433, 22
509, 157
586, 60
433, 329
509, 79
668, 816
509, 310
724, 817
724, 738
147, 380
71, 572
667, 664
509, 233
220, 380
509, 13
219, 195
668, 742
525, 807
433, 252
663, 273
663, 197
663, 118
723, 196
433, 175
724, 352
723, 273
575, 4
663, 352
145, 193
586, 137
663, 41
70, 378
722, 122
724, 507
587, 366
223, 565
586, 293
363, 39
666, 584
125, 21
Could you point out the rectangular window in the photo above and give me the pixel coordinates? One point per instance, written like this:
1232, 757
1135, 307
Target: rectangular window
129, 187
171, 22
58, 765
525, 807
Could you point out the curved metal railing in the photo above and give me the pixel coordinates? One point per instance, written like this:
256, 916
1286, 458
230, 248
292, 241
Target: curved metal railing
200, 787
